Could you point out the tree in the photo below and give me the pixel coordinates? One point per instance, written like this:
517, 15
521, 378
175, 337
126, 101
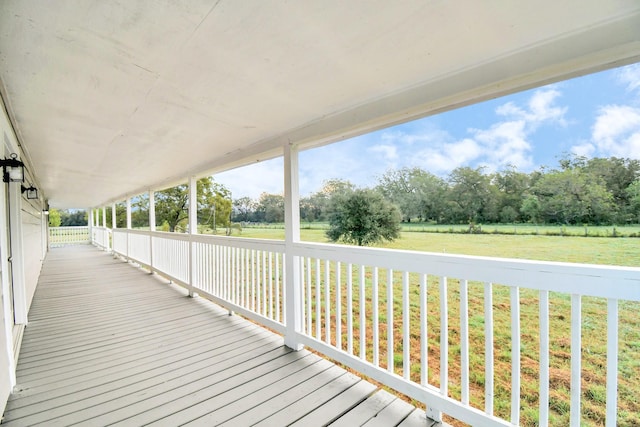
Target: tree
470, 194
54, 218
633, 194
315, 207
512, 186
214, 204
121, 216
572, 196
397, 187
73, 218
363, 217
243, 209
270, 208
172, 204
530, 208
418, 194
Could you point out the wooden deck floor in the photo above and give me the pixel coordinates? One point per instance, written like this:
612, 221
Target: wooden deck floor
109, 344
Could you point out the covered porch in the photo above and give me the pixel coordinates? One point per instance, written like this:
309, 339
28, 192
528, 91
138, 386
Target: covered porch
103, 102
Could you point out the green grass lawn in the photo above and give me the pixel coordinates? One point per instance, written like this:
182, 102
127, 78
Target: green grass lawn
624, 251
592, 250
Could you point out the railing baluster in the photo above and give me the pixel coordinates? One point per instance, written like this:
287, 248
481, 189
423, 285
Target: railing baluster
464, 341
612, 361
349, 309
515, 355
338, 306
444, 338
258, 282
309, 299
305, 297
225, 272
270, 285
318, 304
238, 273
543, 417
376, 331
264, 283
488, 348
576, 359
278, 287
243, 267
406, 327
233, 275
390, 344
327, 303
363, 318
424, 338
253, 280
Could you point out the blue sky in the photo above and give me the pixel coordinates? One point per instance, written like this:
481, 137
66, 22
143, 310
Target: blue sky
594, 116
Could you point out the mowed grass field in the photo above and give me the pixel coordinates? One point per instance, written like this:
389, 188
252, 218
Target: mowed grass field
592, 250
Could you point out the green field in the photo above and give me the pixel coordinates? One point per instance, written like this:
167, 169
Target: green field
623, 251
592, 250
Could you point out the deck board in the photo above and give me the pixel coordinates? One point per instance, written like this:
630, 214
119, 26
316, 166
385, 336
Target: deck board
108, 343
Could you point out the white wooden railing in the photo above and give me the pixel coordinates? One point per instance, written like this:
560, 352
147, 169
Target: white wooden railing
410, 304
63, 236
101, 237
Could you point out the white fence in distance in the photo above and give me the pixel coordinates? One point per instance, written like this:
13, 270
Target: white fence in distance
64, 236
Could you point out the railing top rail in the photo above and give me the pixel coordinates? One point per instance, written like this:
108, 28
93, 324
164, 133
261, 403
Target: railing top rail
584, 279
238, 242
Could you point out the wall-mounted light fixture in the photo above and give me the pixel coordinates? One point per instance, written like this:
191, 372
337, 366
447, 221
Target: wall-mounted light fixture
32, 192
13, 169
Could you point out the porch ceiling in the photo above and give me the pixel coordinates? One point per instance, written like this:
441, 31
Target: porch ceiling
114, 98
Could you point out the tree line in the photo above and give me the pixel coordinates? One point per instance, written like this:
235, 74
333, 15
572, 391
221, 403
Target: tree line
599, 191
579, 191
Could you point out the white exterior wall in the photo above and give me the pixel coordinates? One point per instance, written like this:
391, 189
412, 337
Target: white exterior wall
27, 235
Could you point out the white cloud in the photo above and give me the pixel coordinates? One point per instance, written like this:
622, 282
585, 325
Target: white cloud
630, 76
585, 149
388, 152
541, 109
505, 144
448, 156
616, 131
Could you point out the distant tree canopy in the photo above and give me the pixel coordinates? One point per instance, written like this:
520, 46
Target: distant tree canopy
597, 191
362, 217
54, 218
578, 191
67, 218
172, 205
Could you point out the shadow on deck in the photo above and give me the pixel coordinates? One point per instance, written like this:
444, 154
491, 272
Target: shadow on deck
109, 344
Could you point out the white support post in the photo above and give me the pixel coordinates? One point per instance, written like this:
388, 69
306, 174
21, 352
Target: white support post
104, 232
293, 293
128, 224
90, 224
193, 229
128, 213
114, 225
152, 225
152, 210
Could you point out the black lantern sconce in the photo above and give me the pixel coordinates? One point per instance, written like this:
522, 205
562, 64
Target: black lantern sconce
13, 169
32, 192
